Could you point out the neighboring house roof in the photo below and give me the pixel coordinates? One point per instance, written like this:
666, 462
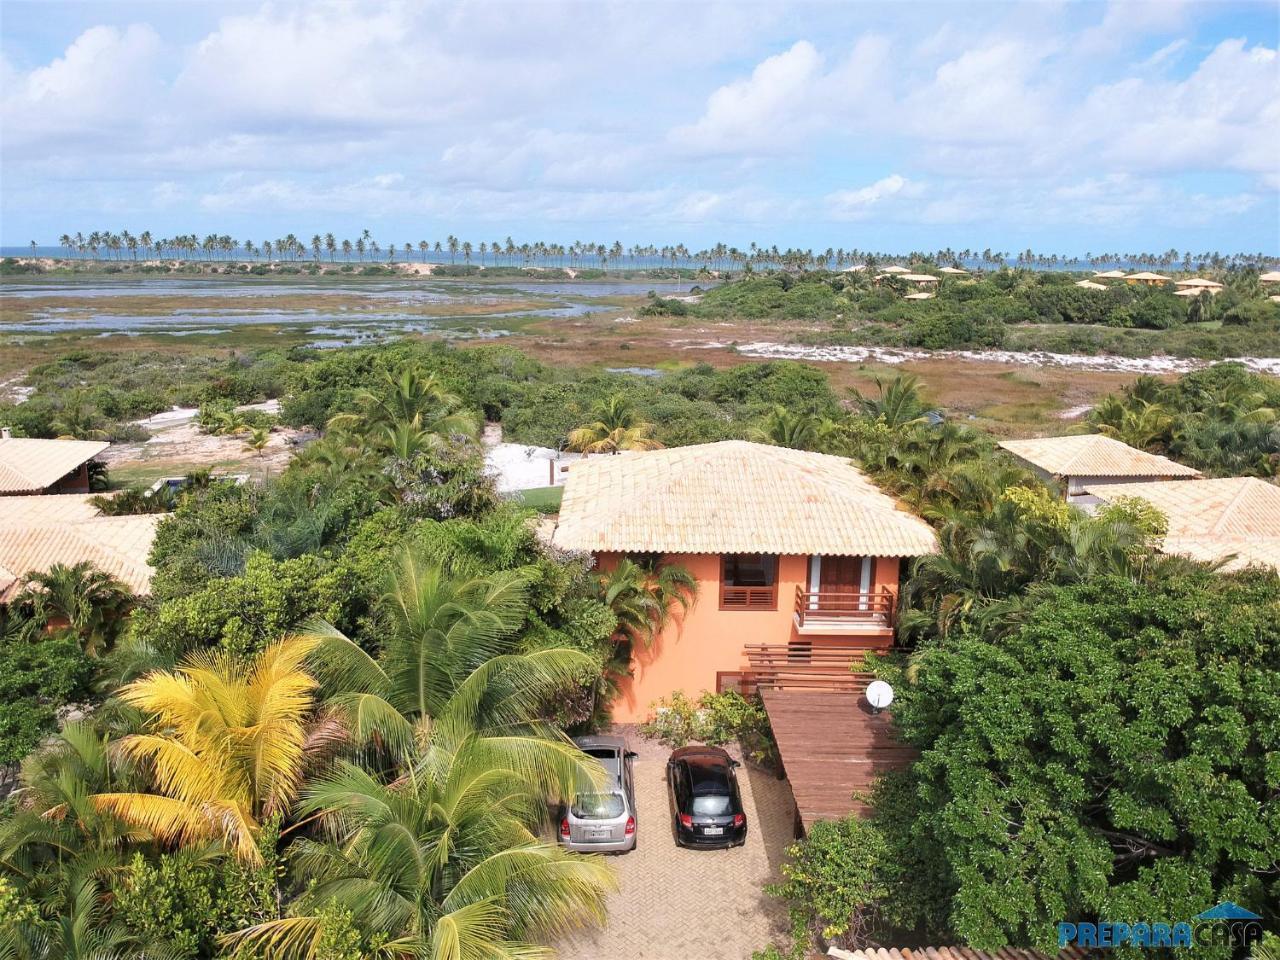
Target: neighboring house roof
1093, 455
1272, 277
961, 953
29, 466
733, 497
1212, 519
918, 296
35, 542
894, 268
1091, 285
1146, 275
918, 277
48, 508
954, 270
1111, 275
1197, 282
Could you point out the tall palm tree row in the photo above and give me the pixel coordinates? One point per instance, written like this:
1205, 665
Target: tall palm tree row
717, 256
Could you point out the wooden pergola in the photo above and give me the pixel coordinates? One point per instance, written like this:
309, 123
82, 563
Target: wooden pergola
832, 745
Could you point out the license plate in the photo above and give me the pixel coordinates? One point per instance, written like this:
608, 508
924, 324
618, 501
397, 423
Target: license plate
597, 834
713, 831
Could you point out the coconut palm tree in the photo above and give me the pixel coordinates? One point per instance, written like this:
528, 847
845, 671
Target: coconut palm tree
444, 863
89, 601
451, 661
899, 402
76, 418
643, 596
409, 398
617, 427
56, 835
799, 431
257, 441
227, 741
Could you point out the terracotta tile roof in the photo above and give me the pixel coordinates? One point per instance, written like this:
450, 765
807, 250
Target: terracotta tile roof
1196, 282
962, 953
1093, 455
1212, 519
1146, 275
733, 497
28, 466
117, 545
47, 508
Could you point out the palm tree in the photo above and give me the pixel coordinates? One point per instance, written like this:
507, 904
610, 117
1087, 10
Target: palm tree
89, 601
76, 418
799, 431
617, 427
83, 930
445, 863
451, 664
900, 402
57, 836
642, 597
227, 742
257, 441
409, 397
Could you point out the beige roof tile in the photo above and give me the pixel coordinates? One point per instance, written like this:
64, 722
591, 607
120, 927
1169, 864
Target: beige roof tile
1212, 519
28, 466
48, 508
1093, 455
733, 497
117, 545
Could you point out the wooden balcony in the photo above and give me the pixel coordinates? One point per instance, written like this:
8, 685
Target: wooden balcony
748, 598
801, 665
845, 613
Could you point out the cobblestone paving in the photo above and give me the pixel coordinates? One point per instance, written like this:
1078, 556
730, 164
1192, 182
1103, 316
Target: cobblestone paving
677, 904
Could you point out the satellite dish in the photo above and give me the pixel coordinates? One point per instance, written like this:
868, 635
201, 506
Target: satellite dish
879, 694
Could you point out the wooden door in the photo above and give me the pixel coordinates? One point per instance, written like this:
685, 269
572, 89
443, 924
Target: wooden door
840, 575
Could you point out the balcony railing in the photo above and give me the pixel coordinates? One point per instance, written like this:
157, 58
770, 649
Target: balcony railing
748, 598
823, 608
804, 666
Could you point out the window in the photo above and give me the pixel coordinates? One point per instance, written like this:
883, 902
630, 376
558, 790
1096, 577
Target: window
748, 581
598, 806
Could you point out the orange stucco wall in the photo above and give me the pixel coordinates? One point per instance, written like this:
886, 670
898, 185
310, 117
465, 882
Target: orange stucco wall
707, 639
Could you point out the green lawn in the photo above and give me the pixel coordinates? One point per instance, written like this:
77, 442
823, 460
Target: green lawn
542, 499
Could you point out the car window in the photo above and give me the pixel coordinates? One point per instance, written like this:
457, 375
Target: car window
715, 805
598, 806
601, 753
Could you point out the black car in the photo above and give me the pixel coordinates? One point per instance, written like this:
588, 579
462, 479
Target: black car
706, 805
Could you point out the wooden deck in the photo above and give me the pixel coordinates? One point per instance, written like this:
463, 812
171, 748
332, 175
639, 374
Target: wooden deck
832, 744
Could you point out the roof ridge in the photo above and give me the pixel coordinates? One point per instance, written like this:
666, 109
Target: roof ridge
1233, 504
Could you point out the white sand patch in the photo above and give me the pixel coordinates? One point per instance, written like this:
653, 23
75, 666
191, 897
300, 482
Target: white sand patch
1035, 358
1075, 413
516, 466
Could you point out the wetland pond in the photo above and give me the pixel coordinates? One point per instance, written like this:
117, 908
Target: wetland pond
334, 313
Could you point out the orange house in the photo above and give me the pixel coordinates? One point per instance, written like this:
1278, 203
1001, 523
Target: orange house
797, 557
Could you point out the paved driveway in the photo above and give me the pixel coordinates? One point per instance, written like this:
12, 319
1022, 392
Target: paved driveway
677, 904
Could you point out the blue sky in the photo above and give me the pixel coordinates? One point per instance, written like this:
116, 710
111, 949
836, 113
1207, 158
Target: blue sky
1069, 127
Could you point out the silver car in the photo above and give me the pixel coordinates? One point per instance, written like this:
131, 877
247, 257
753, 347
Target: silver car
603, 820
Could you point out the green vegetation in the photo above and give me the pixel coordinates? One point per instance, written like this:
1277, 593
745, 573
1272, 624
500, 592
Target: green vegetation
335, 728
1096, 722
1013, 309
1223, 421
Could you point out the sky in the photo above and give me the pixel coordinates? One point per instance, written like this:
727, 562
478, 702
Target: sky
890, 126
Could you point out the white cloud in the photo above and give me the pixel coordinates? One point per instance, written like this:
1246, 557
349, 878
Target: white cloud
757, 113
862, 202
90, 91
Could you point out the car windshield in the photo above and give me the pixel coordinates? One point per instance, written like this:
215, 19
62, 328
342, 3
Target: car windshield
598, 806
713, 805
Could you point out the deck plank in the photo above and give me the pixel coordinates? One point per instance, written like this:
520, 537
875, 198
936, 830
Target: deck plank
832, 745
